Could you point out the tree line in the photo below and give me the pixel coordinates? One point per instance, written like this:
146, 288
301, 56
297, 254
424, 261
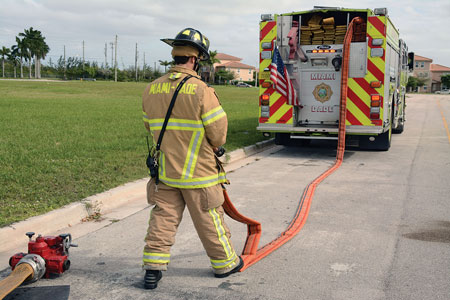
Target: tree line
30, 48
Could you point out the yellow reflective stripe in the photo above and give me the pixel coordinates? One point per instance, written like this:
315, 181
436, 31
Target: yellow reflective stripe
158, 258
211, 111
213, 115
186, 32
193, 183
176, 124
219, 264
174, 76
187, 121
197, 149
192, 154
221, 233
162, 163
145, 117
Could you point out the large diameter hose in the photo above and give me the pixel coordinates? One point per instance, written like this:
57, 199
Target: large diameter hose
251, 254
30, 268
19, 275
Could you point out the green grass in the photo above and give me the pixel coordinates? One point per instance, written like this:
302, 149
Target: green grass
63, 141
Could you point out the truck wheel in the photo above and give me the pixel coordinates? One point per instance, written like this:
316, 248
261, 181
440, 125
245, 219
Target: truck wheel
382, 142
399, 128
282, 139
401, 122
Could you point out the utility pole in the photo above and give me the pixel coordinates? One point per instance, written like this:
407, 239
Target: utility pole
106, 51
115, 61
65, 66
112, 53
144, 67
83, 55
135, 63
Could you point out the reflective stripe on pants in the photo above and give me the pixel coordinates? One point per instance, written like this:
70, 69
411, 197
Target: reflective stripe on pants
205, 208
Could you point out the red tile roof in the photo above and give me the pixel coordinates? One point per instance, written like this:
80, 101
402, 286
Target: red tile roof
421, 58
236, 65
224, 56
439, 68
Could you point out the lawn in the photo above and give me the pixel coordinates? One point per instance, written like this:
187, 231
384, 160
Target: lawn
63, 141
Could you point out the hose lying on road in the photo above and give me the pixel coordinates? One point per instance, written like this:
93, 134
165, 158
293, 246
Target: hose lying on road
21, 273
251, 254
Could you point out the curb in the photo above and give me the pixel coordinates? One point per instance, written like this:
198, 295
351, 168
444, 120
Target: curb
131, 194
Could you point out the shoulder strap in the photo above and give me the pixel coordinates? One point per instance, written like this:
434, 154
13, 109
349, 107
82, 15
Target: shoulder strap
169, 111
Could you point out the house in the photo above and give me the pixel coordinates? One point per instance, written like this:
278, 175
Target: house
233, 64
431, 73
422, 71
436, 72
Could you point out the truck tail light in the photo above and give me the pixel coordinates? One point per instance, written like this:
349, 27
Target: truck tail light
267, 45
265, 105
375, 103
375, 84
266, 84
374, 113
375, 100
377, 42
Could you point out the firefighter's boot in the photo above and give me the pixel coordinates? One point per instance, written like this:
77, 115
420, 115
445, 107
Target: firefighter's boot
236, 269
151, 279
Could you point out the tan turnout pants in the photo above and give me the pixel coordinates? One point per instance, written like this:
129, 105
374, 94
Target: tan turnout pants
205, 208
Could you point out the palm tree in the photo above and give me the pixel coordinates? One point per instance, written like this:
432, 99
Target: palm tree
19, 50
165, 64
41, 52
29, 45
36, 47
14, 59
209, 65
4, 52
211, 61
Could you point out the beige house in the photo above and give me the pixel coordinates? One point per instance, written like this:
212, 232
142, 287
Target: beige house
422, 71
436, 72
431, 73
242, 72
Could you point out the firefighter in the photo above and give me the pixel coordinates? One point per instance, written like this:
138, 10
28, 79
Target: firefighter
188, 172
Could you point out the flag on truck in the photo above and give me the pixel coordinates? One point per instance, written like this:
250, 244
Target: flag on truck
281, 80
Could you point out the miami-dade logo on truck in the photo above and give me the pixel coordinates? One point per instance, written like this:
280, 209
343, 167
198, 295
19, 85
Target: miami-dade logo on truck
323, 76
322, 92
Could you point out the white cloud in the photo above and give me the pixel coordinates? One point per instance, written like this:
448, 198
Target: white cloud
232, 26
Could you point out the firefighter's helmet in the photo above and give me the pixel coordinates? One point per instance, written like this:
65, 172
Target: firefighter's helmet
192, 37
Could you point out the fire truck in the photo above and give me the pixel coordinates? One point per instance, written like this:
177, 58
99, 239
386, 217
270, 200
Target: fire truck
310, 44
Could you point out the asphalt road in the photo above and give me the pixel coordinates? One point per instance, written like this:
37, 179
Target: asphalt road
378, 228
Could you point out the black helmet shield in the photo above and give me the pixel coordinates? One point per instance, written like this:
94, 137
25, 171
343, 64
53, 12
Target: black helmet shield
192, 37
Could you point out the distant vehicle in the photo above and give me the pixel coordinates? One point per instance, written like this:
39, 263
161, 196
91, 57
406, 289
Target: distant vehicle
443, 92
243, 84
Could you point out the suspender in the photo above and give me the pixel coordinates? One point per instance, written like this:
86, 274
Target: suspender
169, 111
152, 161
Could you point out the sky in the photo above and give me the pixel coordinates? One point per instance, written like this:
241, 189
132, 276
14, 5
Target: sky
232, 26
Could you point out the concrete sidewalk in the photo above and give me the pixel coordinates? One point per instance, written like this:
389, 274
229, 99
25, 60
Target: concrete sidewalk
112, 205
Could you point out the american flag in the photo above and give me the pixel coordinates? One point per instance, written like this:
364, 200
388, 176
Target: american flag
281, 80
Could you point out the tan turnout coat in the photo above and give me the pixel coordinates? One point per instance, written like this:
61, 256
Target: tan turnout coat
197, 124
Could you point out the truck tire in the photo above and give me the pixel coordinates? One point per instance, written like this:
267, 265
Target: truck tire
401, 122
282, 138
400, 127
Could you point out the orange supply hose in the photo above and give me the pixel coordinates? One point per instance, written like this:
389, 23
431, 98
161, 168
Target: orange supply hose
251, 254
